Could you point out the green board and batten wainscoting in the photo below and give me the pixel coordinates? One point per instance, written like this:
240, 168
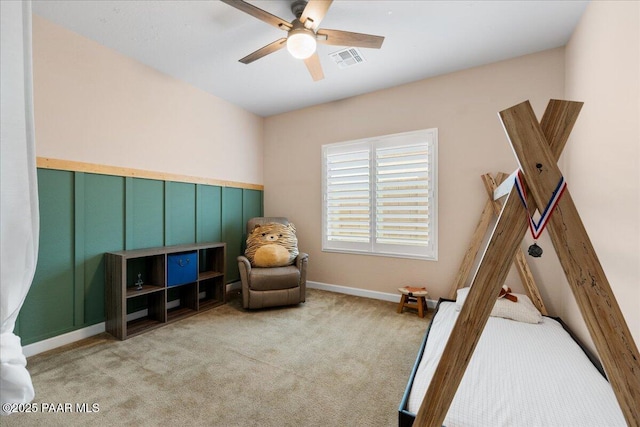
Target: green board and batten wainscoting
83, 215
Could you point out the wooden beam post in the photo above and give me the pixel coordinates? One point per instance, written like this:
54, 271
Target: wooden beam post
526, 277
474, 247
488, 281
476, 241
605, 322
496, 261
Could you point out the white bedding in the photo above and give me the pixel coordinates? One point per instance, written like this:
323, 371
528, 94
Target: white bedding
521, 375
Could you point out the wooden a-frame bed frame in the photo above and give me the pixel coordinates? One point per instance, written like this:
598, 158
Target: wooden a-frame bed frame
492, 208
537, 147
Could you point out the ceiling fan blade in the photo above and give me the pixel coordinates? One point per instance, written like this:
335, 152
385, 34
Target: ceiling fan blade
314, 67
314, 11
346, 38
262, 15
264, 51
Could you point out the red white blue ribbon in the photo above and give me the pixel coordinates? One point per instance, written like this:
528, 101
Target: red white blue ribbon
537, 227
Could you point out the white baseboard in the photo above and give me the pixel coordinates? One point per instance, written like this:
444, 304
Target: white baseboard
64, 339
80, 334
384, 296
73, 336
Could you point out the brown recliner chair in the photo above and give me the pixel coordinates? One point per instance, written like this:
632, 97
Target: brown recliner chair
272, 286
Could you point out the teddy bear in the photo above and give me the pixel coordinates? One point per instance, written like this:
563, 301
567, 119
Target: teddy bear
272, 245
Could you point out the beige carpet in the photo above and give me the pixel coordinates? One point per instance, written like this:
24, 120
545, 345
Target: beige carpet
336, 360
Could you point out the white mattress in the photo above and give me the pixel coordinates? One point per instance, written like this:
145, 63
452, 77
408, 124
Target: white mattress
521, 375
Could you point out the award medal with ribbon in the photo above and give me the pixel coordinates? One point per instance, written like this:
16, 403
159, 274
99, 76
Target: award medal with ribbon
536, 228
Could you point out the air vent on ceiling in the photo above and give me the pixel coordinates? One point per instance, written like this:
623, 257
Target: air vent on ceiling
347, 57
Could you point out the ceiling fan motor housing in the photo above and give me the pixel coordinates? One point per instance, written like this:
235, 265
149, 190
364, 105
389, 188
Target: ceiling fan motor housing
297, 7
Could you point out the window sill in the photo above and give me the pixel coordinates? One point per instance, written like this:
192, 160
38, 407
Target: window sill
382, 254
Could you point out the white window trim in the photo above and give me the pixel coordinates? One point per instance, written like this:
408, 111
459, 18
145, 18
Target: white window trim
373, 248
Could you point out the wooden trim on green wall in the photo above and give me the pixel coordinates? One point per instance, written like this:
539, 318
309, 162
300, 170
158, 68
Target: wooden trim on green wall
85, 214
128, 213
49, 308
232, 229
73, 166
78, 247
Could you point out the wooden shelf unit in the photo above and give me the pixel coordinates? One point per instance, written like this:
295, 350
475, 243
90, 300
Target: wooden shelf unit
130, 311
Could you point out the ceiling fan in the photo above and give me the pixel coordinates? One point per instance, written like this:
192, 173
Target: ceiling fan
303, 33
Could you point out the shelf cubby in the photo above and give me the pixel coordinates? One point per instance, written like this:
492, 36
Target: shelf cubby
138, 297
182, 301
145, 311
211, 292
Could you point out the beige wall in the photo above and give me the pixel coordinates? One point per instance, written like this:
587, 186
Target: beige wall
603, 158
95, 105
463, 106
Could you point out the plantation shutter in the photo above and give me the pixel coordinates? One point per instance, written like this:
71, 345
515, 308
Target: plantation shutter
380, 195
402, 188
348, 196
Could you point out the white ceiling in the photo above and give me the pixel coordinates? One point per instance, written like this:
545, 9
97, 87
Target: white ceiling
200, 42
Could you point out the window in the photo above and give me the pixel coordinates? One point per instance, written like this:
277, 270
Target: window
380, 195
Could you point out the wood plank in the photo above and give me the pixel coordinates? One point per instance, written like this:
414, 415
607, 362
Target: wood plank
139, 326
70, 165
115, 300
474, 247
558, 120
491, 274
315, 12
605, 322
529, 283
232, 230
403, 301
522, 266
490, 184
209, 275
209, 304
526, 277
261, 14
264, 51
347, 38
314, 67
556, 124
179, 313
79, 239
505, 239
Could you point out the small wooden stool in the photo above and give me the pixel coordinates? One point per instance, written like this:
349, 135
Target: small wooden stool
415, 298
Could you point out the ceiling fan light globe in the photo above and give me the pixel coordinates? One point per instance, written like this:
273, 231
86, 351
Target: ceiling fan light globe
301, 45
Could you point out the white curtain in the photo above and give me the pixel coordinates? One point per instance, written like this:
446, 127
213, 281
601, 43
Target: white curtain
19, 215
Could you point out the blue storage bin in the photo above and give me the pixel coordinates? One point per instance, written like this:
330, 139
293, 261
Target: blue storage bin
182, 268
